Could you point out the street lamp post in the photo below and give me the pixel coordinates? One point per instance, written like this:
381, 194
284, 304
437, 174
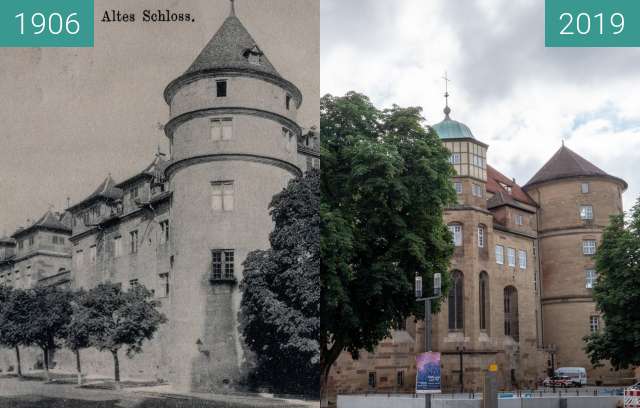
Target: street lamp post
437, 285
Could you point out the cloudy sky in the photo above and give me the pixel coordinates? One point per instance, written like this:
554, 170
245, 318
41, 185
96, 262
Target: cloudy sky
72, 116
516, 95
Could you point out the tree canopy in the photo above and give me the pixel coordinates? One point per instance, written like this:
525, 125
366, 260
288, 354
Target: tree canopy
280, 308
385, 182
617, 294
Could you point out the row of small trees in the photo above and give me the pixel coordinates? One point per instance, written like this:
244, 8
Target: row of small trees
104, 317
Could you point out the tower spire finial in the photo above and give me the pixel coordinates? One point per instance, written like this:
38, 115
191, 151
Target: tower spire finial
447, 109
233, 8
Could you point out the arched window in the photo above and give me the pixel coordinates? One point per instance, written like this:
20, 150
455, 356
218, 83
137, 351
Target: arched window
456, 231
456, 302
484, 301
511, 313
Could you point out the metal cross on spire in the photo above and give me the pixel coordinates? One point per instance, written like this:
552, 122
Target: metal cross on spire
447, 110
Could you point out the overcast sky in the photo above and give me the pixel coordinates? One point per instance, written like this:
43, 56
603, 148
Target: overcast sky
72, 116
516, 95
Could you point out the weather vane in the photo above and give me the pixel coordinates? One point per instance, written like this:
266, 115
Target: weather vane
447, 110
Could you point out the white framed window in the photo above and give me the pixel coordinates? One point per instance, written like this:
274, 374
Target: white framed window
584, 188
454, 158
133, 237
586, 212
221, 129
522, 259
79, 258
500, 254
480, 236
590, 278
164, 285
594, 324
519, 219
133, 282
222, 196
511, 256
222, 265
476, 190
117, 246
92, 254
456, 231
164, 231
458, 187
589, 247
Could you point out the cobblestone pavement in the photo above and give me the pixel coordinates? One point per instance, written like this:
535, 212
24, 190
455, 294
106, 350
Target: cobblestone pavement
16, 393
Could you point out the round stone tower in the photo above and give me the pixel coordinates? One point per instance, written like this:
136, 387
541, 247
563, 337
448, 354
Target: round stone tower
233, 137
576, 199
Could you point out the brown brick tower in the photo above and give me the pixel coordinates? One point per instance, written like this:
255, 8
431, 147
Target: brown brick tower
576, 199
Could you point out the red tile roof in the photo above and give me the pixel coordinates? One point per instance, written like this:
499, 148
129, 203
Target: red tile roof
501, 195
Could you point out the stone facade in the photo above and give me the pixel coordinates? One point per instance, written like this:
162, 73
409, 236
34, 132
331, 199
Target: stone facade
538, 232
184, 225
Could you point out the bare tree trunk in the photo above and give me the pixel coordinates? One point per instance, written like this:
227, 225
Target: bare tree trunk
116, 368
18, 359
78, 367
46, 363
328, 356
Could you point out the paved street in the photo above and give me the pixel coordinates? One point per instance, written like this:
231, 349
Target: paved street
16, 393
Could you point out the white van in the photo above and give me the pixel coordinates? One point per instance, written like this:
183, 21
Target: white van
577, 374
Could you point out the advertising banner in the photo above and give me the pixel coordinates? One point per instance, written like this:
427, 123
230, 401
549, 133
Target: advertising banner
428, 373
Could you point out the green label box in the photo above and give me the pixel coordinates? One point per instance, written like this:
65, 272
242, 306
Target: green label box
592, 23
46, 23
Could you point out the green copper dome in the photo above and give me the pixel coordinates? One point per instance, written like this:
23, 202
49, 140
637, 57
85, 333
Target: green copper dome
452, 129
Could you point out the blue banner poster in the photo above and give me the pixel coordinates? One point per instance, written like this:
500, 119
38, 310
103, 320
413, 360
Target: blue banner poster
428, 373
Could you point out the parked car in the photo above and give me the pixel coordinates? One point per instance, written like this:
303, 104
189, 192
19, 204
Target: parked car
558, 381
577, 374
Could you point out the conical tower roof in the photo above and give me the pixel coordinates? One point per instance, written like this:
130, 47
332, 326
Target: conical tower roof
232, 50
566, 163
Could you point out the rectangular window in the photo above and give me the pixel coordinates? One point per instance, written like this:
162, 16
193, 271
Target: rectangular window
31, 241
20, 244
522, 259
133, 236
221, 89
133, 194
586, 212
500, 254
221, 129
222, 264
222, 196
481, 237
591, 277
456, 231
476, 190
117, 247
288, 102
589, 247
164, 284
400, 378
372, 380
511, 256
584, 187
594, 324
133, 282
519, 219
79, 258
458, 186
92, 254
164, 232
454, 158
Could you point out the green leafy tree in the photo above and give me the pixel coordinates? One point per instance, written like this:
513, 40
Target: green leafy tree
77, 331
280, 307
115, 318
617, 294
14, 320
385, 181
48, 312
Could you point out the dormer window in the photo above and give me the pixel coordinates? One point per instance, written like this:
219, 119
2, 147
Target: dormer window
253, 55
506, 187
